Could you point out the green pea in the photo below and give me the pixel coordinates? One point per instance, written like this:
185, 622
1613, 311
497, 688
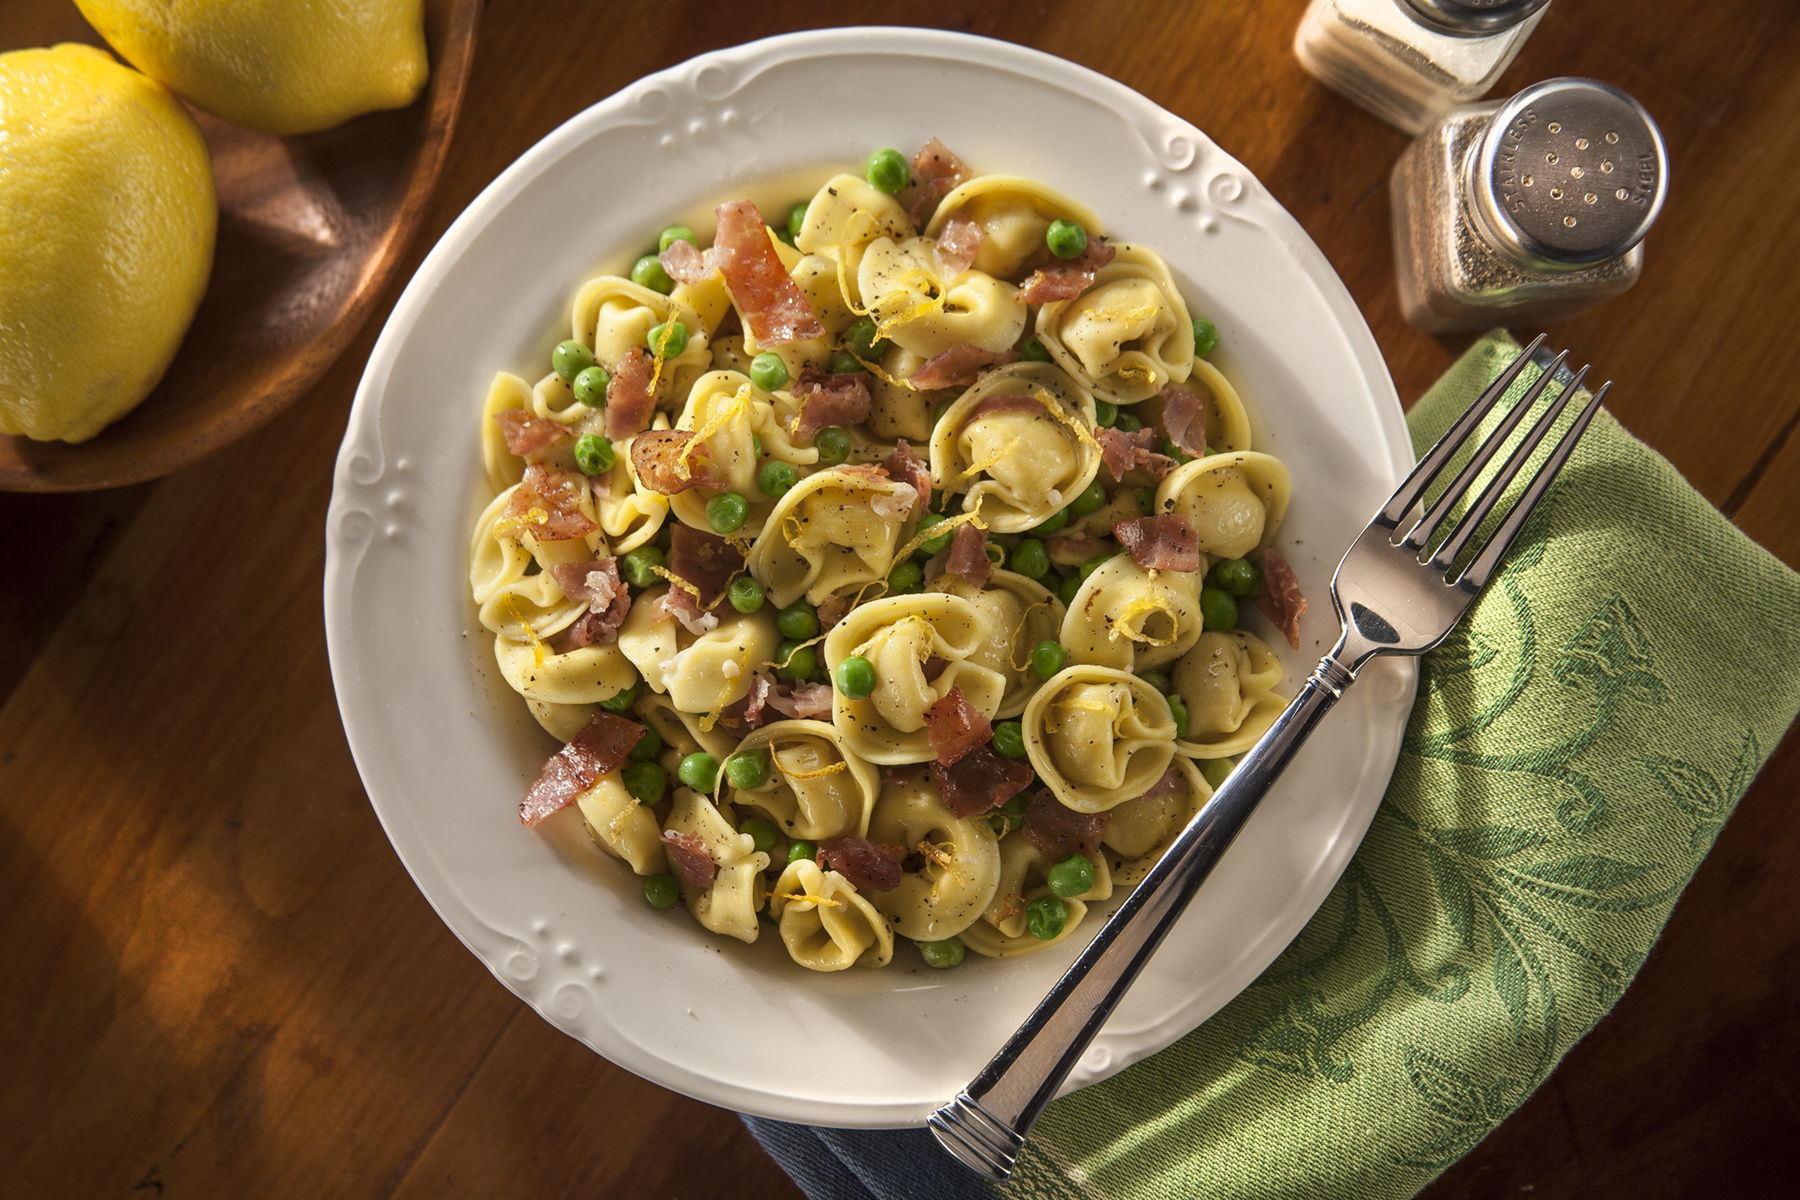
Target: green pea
1175, 452
1071, 877
861, 337
590, 385
933, 545
796, 219
1206, 337
661, 891
856, 677
748, 769
746, 594
646, 781
699, 771
1067, 588
1128, 423
1218, 609
1032, 350
594, 454
768, 371
1066, 239
798, 621
763, 834
1106, 414
1045, 917
1089, 566
1157, 680
1091, 498
570, 359
844, 363
795, 662
1052, 523
1215, 770
1030, 559
776, 478
648, 746
1179, 710
1234, 575
756, 444
1016, 806
637, 566
1256, 582
1146, 500
1047, 658
942, 954
802, 850
673, 234
648, 272
886, 171
906, 577
726, 512
667, 340
620, 701
833, 445
1009, 739
1008, 816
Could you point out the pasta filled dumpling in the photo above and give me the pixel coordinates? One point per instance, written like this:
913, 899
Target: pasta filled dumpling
729, 905
958, 861
585, 675
920, 647
628, 514
825, 922
614, 316
921, 308
816, 787
1098, 737
700, 673
834, 532
736, 422
1022, 613
1235, 501
842, 218
1228, 683
1132, 617
621, 826
1004, 930
1019, 444
1140, 831
1128, 336
1013, 214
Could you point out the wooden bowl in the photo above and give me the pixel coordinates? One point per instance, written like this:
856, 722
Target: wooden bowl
310, 228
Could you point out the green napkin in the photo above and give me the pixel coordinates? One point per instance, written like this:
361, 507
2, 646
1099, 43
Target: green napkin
1575, 748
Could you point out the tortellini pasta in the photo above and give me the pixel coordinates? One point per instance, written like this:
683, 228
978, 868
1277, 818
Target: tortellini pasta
1234, 501
621, 826
834, 532
738, 890
1022, 613
816, 786
1018, 445
1132, 617
700, 672
613, 316
959, 862
1013, 214
920, 308
1098, 737
842, 219
1127, 337
1140, 831
737, 423
825, 923
1228, 683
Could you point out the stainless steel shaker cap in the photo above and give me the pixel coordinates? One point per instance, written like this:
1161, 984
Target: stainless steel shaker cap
1569, 172
1473, 18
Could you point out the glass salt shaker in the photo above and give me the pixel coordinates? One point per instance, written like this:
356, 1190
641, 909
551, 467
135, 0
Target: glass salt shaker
1526, 210
1410, 61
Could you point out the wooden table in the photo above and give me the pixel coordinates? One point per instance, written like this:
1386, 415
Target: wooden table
221, 981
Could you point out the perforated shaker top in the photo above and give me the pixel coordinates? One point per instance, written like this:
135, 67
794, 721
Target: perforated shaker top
1473, 18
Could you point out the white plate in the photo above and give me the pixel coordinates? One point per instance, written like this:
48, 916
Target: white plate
445, 750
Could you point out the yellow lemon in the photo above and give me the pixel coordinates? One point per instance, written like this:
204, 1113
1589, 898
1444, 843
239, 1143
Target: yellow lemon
281, 66
107, 216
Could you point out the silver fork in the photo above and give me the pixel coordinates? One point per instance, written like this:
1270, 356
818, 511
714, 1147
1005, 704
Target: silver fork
1395, 593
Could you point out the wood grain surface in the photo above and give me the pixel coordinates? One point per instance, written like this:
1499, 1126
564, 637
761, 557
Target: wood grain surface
220, 981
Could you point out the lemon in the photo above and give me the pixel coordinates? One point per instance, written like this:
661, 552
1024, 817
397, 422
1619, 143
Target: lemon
107, 217
281, 66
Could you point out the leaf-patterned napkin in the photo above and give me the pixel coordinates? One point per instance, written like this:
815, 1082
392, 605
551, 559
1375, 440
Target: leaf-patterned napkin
1575, 748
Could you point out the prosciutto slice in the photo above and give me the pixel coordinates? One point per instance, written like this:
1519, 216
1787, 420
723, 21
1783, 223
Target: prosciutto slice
705, 560
1281, 600
687, 263
955, 726
980, 781
771, 303
547, 503
935, 171
906, 467
871, 866
802, 701
1066, 278
689, 859
597, 585
957, 244
526, 435
1184, 420
1161, 543
1059, 831
828, 399
656, 457
599, 748
1121, 451
968, 555
959, 366
629, 400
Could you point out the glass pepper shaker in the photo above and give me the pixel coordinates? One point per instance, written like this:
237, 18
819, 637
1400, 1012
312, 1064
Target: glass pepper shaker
1410, 61
1526, 210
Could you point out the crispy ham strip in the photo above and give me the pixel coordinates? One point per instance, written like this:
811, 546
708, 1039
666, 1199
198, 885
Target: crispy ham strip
959, 366
980, 781
1059, 831
1161, 543
526, 435
1121, 451
771, 303
1281, 600
935, 171
547, 505
1064, 279
871, 866
599, 748
630, 394
657, 457
689, 859
1184, 420
827, 399
955, 726
598, 586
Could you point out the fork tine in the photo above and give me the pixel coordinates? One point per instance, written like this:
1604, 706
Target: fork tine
1496, 487
1482, 568
1414, 485
1427, 525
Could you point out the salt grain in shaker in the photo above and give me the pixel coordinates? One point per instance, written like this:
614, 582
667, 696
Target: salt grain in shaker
1526, 210
1410, 61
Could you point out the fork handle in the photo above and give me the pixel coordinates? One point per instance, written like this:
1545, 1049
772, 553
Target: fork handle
985, 1126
